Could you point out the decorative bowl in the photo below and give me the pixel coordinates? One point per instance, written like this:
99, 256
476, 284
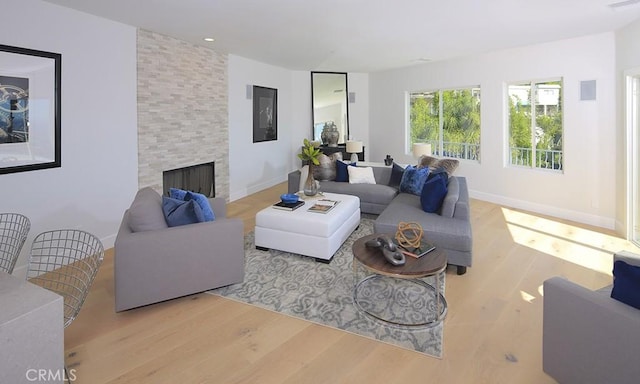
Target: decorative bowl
289, 198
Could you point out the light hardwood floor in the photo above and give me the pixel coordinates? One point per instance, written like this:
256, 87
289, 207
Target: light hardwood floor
492, 333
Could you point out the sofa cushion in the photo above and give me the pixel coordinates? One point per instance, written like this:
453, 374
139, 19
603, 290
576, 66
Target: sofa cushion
180, 212
361, 175
626, 283
145, 213
434, 191
413, 179
370, 193
448, 233
342, 175
383, 175
396, 175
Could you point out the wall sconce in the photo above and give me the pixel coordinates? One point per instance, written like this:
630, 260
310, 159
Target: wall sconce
354, 147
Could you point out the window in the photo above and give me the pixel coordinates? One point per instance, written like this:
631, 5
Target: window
535, 124
447, 119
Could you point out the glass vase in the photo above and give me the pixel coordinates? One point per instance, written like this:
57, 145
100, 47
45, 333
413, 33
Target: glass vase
310, 185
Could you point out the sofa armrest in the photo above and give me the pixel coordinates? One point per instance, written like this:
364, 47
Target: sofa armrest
462, 210
628, 257
293, 181
219, 206
588, 337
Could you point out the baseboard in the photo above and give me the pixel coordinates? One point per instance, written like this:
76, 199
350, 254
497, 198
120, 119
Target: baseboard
109, 241
235, 195
579, 217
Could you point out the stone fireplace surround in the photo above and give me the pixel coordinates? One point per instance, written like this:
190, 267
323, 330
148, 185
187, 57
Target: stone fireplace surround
182, 109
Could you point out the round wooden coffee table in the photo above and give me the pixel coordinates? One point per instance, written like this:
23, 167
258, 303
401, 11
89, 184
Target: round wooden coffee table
411, 273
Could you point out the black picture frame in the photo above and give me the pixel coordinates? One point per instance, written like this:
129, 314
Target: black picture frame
30, 119
265, 114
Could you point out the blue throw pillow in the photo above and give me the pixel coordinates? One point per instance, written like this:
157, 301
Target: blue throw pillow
179, 212
176, 193
342, 174
203, 202
434, 191
626, 283
396, 175
413, 179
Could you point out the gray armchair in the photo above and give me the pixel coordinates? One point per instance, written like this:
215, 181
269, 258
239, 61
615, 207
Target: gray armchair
588, 337
162, 263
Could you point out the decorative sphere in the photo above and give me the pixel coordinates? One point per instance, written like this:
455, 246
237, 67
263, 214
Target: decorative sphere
409, 235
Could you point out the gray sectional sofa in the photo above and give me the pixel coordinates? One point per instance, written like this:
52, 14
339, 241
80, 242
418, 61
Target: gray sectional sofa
449, 229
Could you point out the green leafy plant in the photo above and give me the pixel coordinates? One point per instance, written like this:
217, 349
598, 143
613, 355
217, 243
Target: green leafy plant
309, 153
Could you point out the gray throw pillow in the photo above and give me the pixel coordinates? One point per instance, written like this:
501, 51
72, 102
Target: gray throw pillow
145, 213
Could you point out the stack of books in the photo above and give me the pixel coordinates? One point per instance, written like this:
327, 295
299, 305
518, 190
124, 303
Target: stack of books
288, 206
415, 252
323, 205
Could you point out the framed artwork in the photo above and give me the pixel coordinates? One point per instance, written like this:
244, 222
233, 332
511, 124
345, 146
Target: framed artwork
30, 95
265, 114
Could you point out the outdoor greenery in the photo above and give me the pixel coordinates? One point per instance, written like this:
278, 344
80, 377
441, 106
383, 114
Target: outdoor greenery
547, 133
460, 120
460, 132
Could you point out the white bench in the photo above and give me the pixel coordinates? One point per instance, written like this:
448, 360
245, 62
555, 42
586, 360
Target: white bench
306, 233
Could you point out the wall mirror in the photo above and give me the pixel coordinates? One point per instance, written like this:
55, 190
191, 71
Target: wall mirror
329, 106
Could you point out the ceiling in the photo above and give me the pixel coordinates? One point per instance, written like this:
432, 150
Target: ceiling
364, 35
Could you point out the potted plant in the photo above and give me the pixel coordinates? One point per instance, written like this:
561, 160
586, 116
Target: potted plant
310, 155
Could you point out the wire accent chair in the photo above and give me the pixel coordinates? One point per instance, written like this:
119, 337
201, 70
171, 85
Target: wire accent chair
14, 228
66, 262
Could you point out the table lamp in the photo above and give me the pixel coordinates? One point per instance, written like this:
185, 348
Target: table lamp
354, 147
421, 149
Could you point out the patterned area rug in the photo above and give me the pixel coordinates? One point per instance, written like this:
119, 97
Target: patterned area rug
323, 293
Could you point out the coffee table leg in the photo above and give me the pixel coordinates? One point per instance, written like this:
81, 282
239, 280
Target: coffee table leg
354, 267
438, 303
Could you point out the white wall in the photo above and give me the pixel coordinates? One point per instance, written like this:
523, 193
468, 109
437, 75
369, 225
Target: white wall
627, 58
256, 166
98, 177
585, 192
359, 112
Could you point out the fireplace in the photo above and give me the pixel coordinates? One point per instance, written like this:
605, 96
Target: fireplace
198, 178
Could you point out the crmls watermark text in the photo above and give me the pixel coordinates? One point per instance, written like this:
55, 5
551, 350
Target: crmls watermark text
45, 375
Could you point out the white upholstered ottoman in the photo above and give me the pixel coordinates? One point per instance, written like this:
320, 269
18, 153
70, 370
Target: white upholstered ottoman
307, 233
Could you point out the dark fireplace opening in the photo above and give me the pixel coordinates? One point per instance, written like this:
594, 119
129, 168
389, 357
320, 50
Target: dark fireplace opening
197, 178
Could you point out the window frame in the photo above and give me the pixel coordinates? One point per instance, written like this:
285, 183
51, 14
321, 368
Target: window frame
534, 158
439, 148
